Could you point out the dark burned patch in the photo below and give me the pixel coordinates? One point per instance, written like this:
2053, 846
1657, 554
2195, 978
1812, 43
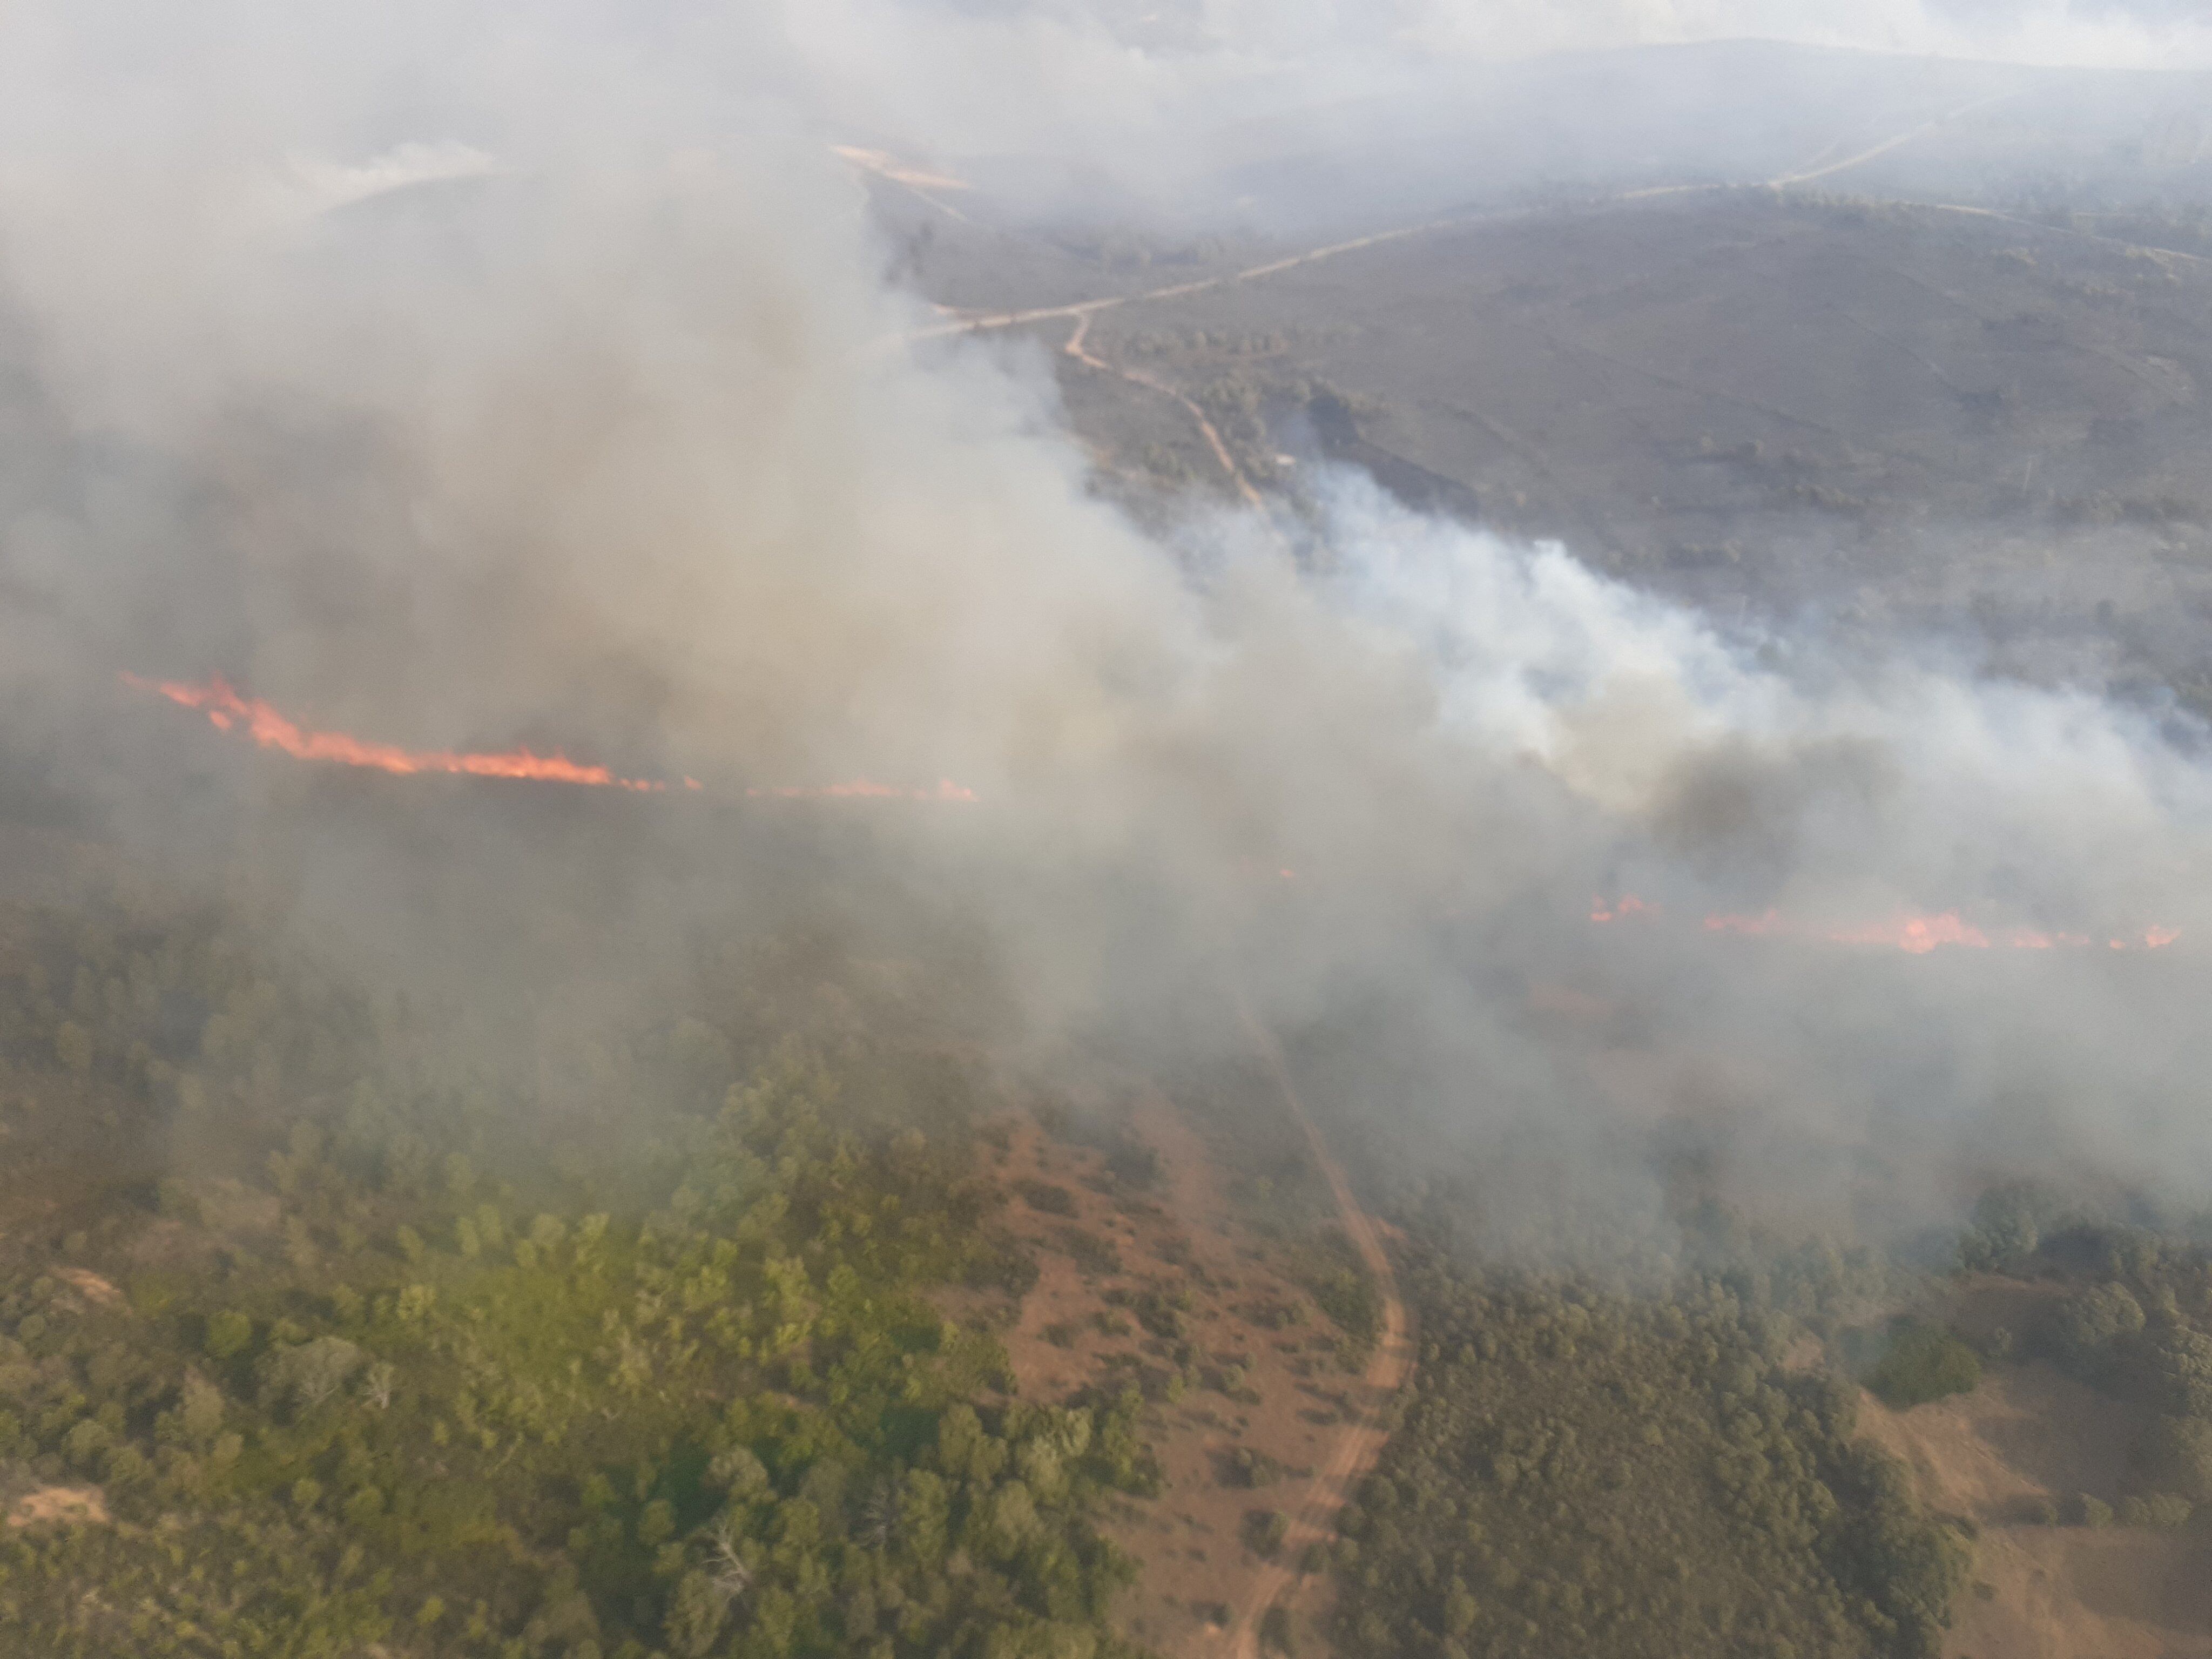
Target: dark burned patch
1738, 808
1337, 432
1043, 1196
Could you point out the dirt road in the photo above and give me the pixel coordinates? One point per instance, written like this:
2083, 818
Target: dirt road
1074, 349
1387, 1372
1081, 311
970, 323
1816, 169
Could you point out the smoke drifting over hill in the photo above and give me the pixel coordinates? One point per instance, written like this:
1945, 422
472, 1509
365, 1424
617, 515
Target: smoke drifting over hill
481, 388
1195, 110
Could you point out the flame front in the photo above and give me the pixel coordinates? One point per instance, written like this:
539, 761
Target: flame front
1627, 906
1916, 935
228, 709
1921, 934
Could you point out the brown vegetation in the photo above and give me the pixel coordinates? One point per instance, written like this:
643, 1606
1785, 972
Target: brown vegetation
1252, 1412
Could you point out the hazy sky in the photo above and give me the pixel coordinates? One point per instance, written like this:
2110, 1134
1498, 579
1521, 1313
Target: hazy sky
2142, 32
2139, 33
1131, 87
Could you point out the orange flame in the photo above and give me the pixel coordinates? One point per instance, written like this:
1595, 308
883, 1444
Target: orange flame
226, 709
1918, 935
1625, 906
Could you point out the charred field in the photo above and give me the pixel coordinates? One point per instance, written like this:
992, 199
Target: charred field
1908, 416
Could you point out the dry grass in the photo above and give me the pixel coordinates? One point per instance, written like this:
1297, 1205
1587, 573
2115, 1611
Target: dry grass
2030, 1434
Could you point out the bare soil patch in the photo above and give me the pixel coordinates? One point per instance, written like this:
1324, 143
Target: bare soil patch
1360, 1447
70, 1506
90, 1286
1253, 1411
2068, 1593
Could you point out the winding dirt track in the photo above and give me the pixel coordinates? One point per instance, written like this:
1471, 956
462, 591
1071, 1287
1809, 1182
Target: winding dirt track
1084, 310
1387, 1372
1074, 349
1897, 140
1814, 168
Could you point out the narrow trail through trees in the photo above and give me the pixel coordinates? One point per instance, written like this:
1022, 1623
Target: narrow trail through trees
1388, 1369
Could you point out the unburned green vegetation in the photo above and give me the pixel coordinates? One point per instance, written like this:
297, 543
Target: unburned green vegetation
1923, 1361
2127, 1308
1582, 1473
367, 1343
686, 1398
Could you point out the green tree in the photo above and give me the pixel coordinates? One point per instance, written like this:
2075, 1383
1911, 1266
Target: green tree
1922, 1363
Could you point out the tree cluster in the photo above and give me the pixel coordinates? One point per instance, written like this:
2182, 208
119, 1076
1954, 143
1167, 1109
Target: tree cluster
686, 1399
2133, 1316
1586, 1474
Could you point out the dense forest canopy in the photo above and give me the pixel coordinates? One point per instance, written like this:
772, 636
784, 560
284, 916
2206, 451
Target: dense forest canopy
398, 1374
1579, 1472
328, 1328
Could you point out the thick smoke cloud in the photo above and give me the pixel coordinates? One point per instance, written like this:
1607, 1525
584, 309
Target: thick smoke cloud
465, 384
1764, 799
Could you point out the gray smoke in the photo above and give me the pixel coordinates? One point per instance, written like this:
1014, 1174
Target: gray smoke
463, 384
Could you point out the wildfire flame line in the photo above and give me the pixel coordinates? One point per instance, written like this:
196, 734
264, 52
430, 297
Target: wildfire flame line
1914, 934
228, 709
